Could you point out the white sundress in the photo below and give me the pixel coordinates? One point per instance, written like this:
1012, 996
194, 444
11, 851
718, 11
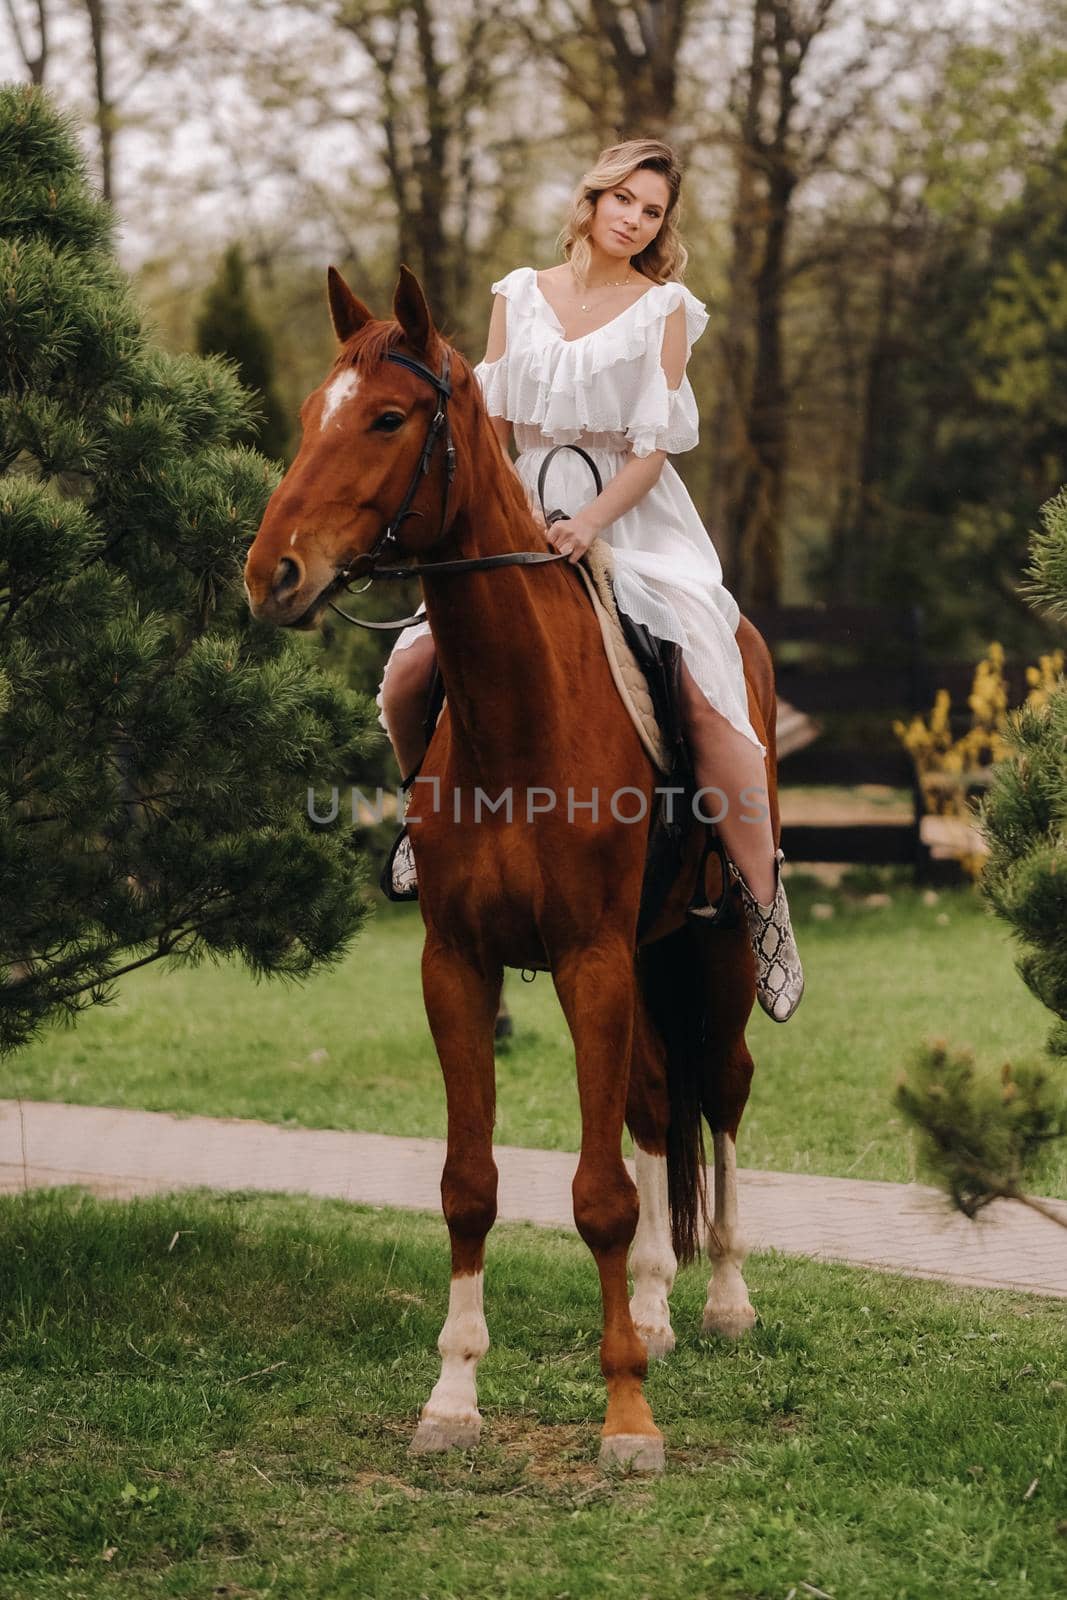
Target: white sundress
607, 391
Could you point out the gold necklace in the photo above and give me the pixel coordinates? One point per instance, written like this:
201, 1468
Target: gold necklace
619, 285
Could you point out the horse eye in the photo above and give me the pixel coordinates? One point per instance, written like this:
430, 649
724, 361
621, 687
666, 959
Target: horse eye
389, 421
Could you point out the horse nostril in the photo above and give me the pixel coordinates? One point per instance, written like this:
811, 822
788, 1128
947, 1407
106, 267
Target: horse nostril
286, 577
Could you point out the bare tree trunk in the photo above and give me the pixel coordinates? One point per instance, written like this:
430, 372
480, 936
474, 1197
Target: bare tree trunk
756, 443
36, 64
646, 75
874, 388
731, 442
878, 407
426, 120
760, 528
430, 163
105, 111
845, 470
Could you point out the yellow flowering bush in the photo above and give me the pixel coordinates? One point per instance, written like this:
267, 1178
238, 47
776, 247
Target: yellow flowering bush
951, 770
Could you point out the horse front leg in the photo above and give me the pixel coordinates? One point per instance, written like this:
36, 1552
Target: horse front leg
596, 988
461, 1004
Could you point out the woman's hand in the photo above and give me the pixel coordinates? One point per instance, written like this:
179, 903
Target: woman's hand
572, 536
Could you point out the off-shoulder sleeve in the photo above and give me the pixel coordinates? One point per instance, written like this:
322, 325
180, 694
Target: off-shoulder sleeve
493, 375
493, 378
665, 418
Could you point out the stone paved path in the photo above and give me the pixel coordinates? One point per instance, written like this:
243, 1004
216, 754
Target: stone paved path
893, 1227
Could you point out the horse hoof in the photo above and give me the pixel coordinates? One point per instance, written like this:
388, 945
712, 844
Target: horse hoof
659, 1342
434, 1435
729, 1322
641, 1452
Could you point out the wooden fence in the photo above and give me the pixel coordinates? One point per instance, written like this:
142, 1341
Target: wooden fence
867, 664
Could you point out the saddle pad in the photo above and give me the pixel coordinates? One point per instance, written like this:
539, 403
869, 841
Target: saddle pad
596, 570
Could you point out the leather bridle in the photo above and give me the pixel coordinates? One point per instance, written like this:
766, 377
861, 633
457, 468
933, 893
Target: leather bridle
387, 540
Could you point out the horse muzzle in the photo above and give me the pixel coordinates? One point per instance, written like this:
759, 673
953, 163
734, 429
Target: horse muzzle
292, 591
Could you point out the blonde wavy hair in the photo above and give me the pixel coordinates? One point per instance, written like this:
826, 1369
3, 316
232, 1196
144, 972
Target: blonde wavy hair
664, 259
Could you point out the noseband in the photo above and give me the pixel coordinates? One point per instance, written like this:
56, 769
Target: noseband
387, 541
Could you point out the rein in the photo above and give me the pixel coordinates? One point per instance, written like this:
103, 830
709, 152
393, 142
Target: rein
388, 537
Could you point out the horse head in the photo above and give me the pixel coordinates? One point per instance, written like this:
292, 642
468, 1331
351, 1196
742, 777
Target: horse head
375, 431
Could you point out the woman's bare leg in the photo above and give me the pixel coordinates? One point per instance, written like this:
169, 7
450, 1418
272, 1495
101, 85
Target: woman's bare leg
724, 759
405, 687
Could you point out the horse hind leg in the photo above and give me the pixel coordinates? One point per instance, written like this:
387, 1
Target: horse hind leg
653, 1263
731, 974
728, 1311
461, 1006
731, 983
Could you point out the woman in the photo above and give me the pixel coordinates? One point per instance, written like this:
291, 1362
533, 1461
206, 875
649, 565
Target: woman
594, 352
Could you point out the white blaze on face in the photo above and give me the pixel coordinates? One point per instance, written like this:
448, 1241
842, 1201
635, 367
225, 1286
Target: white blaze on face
341, 389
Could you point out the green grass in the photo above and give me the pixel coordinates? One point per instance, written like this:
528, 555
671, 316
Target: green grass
351, 1049
212, 1395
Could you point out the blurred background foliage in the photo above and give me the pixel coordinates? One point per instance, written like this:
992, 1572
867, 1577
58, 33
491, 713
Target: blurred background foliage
875, 207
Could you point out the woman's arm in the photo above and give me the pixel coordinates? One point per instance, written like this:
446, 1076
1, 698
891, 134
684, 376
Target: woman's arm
633, 481
494, 349
496, 344
629, 485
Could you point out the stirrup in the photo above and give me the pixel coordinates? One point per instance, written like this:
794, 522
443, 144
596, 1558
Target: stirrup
720, 914
779, 975
399, 880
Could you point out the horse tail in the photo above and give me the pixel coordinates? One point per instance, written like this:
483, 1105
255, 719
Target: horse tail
673, 989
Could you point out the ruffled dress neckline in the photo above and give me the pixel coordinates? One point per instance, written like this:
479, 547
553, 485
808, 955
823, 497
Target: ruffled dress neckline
546, 302
606, 388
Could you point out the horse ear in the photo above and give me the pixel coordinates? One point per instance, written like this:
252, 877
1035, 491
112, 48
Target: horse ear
412, 312
348, 313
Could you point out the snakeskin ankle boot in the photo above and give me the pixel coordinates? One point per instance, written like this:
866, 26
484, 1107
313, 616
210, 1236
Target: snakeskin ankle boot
402, 875
779, 976
398, 879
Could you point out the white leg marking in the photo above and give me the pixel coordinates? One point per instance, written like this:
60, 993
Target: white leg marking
727, 1311
652, 1260
451, 1416
341, 389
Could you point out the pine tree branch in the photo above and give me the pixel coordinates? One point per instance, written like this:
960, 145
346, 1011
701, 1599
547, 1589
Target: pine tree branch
60, 816
164, 947
1040, 1207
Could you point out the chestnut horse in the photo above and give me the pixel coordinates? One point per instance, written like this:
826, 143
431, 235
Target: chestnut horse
532, 710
